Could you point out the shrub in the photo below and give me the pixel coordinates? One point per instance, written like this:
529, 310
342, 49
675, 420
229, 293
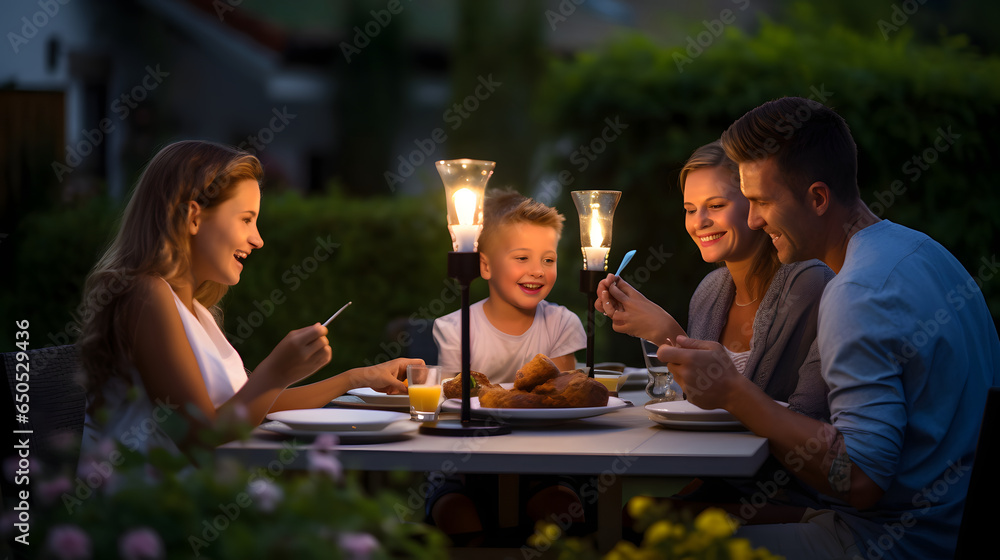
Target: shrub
924, 118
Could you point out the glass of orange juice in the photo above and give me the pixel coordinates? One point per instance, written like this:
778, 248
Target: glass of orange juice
424, 386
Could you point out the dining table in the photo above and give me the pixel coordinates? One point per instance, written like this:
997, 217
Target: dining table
620, 453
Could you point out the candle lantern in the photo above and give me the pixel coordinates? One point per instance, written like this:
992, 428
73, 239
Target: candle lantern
465, 188
596, 210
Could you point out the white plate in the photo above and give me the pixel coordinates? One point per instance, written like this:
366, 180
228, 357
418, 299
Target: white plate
688, 412
396, 430
336, 419
532, 414
697, 424
371, 396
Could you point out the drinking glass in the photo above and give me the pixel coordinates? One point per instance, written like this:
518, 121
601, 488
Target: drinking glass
424, 386
660, 386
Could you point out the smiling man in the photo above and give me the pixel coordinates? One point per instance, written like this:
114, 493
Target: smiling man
907, 368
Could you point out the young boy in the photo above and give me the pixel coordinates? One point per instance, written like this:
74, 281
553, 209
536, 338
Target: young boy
517, 258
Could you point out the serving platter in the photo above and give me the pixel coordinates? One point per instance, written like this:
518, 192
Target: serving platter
530, 415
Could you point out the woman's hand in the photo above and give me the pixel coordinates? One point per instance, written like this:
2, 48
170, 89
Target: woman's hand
386, 377
631, 313
300, 354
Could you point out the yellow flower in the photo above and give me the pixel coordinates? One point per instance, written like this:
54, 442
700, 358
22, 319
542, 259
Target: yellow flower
624, 550
715, 523
551, 531
739, 549
660, 531
639, 505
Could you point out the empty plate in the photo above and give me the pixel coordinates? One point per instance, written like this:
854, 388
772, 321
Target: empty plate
337, 420
371, 396
685, 411
392, 432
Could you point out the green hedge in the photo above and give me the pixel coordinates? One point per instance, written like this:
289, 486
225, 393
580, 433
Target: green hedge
897, 97
390, 254
387, 255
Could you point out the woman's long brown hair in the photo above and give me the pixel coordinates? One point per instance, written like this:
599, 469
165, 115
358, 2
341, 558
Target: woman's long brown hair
153, 240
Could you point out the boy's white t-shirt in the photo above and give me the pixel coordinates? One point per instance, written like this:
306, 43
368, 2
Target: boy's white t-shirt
555, 331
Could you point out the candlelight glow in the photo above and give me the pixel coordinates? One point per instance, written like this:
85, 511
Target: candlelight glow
596, 234
465, 206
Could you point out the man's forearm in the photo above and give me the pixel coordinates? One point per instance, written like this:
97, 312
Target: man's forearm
812, 450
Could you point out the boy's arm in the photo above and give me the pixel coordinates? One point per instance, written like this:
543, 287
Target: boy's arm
565, 363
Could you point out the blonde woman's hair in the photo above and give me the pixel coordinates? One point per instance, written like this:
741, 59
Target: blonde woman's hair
765, 261
153, 240
504, 207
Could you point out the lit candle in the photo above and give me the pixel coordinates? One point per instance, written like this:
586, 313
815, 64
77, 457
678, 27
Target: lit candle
465, 233
595, 255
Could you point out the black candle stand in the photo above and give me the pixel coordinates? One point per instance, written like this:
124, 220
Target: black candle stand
589, 279
464, 267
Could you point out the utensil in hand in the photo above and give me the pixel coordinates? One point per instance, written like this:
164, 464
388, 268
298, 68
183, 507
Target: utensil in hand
334, 316
660, 385
628, 256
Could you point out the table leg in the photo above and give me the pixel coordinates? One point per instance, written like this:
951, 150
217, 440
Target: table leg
609, 516
507, 499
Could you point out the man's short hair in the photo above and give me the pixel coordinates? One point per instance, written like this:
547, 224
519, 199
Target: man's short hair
808, 141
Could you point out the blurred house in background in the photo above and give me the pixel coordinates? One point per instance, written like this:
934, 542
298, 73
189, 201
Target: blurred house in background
319, 90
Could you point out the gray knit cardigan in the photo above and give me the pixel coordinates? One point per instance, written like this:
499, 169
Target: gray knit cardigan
784, 358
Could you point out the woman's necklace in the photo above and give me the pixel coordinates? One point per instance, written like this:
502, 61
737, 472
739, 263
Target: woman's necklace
738, 304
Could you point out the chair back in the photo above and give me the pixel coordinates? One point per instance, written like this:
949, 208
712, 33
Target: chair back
975, 534
44, 384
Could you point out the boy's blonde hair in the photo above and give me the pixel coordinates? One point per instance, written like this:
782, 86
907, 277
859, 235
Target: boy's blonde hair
504, 207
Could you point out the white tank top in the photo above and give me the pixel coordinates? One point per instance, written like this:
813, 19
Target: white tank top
739, 359
135, 422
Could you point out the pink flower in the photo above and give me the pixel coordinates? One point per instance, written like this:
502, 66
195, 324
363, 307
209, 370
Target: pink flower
68, 542
358, 546
140, 544
320, 462
326, 442
52, 489
322, 458
266, 495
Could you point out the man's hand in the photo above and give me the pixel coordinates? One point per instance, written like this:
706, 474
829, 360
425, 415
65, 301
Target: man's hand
704, 370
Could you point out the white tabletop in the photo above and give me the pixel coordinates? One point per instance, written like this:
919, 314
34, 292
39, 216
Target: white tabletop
619, 449
585, 446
